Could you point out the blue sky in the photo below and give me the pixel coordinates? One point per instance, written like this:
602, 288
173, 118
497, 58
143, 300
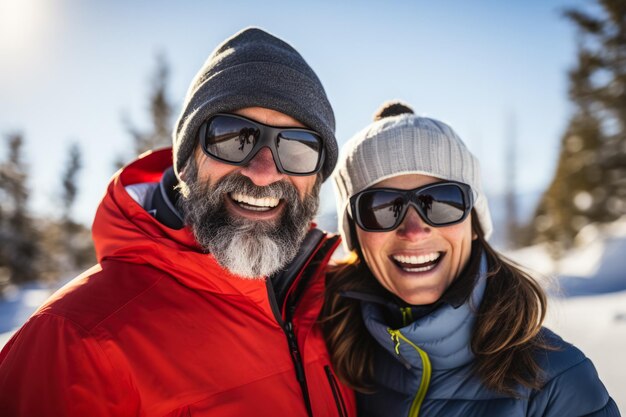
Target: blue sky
71, 69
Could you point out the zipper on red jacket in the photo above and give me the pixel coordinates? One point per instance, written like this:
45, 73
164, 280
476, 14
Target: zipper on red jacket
291, 300
294, 350
341, 406
297, 361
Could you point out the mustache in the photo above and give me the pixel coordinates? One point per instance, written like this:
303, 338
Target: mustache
239, 183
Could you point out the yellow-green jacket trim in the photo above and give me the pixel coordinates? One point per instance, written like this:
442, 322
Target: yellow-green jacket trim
396, 336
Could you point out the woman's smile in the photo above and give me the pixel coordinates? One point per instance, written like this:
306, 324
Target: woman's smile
417, 263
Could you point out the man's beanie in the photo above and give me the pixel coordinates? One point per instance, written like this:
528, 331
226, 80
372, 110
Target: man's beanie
398, 143
255, 69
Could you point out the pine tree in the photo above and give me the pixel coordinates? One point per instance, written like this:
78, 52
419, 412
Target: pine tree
69, 181
20, 250
66, 244
71, 230
589, 185
158, 134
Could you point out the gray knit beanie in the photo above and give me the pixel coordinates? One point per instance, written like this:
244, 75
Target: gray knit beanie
255, 69
405, 144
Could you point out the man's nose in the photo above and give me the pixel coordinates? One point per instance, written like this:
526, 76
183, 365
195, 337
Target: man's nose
262, 169
413, 227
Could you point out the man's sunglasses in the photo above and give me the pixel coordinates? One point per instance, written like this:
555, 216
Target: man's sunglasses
383, 209
236, 140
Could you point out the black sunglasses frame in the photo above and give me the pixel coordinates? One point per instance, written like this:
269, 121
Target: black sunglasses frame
269, 136
409, 198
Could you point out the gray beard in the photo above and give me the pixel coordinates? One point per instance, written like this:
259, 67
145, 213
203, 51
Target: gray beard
248, 248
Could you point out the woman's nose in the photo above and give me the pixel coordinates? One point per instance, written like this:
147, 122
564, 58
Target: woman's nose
413, 227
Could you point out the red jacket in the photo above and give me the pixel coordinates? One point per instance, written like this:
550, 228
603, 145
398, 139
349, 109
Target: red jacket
158, 328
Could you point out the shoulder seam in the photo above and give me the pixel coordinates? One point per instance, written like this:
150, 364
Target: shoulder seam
584, 359
52, 311
161, 275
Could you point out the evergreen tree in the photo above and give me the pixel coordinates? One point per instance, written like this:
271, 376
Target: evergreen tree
66, 244
589, 185
20, 251
70, 229
160, 109
69, 181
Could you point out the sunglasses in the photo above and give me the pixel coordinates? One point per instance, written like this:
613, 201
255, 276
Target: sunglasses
236, 140
383, 209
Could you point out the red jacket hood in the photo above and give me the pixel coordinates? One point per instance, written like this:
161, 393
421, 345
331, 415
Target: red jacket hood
124, 231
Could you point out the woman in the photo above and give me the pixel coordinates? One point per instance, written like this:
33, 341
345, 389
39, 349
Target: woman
426, 318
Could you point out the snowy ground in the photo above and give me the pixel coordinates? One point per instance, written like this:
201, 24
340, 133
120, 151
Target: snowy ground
18, 305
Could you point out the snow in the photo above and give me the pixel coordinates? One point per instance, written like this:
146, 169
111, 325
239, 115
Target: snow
597, 254
18, 305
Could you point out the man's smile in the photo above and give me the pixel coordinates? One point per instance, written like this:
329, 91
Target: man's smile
255, 204
253, 208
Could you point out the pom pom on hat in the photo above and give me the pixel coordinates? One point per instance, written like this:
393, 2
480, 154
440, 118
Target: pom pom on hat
392, 108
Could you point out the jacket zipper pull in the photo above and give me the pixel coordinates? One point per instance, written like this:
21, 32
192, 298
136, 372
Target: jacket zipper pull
297, 361
395, 338
295, 351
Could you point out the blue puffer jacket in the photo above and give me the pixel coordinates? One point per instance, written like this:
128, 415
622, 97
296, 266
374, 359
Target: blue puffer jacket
425, 369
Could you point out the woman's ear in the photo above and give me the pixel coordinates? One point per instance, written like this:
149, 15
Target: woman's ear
476, 229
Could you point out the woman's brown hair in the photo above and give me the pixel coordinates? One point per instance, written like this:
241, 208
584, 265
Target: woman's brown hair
505, 337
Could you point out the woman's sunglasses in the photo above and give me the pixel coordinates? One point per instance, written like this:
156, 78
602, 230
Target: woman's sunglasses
236, 140
383, 209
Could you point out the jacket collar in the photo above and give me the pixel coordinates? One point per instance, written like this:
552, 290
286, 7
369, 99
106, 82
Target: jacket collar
444, 334
164, 199
125, 231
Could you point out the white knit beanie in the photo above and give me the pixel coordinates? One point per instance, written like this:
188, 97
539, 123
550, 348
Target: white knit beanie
405, 144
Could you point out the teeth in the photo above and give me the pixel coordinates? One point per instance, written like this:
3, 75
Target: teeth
417, 260
422, 263
424, 269
269, 202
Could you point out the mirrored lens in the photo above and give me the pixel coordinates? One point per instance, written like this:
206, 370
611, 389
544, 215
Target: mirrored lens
299, 151
380, 209
230, 139
442, 204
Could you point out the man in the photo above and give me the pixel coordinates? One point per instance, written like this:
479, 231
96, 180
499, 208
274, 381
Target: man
210, 276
